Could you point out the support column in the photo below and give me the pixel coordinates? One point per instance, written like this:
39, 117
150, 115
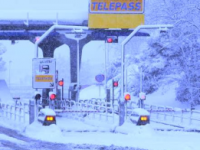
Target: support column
73, 66
82, 43
73, 60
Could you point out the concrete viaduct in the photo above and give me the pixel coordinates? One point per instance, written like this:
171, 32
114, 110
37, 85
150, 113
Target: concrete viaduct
19, 30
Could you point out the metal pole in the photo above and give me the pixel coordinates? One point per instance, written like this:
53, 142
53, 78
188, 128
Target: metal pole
99, 90
121, 115
127, 40
105, 66
31, 111
141, 80
36, 110
78, 69
113, 94
9, 71
126, 89
62, 89
56, 81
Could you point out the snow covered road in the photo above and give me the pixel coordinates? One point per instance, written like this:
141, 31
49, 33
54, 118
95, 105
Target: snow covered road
13, 140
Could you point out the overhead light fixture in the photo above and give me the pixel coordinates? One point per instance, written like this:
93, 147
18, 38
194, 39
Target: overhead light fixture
12, 42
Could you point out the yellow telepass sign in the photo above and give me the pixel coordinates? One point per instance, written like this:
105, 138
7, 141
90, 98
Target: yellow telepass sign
117, 6
116, 14
44, 78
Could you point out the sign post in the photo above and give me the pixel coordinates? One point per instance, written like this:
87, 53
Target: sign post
44, 73
100, 78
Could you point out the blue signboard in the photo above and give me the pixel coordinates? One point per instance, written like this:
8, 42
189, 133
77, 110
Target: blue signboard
100, 78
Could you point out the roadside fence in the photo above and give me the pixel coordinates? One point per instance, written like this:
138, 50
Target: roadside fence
15, 112
174, 115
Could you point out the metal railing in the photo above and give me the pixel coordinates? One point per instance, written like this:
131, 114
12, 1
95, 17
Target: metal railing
14, 112
170, 115
174, 115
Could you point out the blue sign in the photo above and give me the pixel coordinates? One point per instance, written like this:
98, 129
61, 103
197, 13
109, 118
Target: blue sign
100, 78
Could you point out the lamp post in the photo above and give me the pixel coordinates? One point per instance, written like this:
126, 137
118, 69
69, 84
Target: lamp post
105, 66
78, 70
124, 42
9, 71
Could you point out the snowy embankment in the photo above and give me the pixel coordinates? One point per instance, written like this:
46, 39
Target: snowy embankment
166, 96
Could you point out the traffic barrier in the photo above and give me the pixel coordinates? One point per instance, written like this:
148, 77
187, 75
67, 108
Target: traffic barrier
94, 106
166, 110
76, 111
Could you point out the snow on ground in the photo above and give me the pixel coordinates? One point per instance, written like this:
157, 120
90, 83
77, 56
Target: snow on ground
93, 91
143, 137
92, 130
165, 96
5, 137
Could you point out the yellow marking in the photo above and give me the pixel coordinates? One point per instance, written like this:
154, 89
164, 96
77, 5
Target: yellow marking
115, 20
44, 78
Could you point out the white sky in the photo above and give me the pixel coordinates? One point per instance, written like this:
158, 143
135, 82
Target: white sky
43, 5
22, 53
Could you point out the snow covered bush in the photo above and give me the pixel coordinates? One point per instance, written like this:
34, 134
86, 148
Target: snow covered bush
181, 52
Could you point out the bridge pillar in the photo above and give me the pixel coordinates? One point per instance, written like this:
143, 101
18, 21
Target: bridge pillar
50, 44
73, 60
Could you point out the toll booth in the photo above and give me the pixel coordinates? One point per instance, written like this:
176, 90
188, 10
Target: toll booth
140, 116
47, 116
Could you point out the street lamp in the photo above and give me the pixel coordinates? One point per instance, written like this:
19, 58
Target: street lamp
9, 71
124, 42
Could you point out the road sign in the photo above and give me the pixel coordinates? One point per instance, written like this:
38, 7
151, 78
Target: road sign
100, 78
44, 73
116, 13
117, 6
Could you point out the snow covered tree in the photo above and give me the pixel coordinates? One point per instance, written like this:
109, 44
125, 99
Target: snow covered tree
183, 50
154, 61
114, 68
